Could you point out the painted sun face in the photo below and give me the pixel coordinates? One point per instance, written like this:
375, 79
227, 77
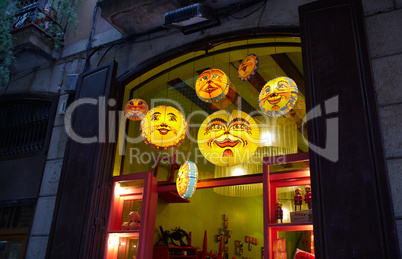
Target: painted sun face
163, 127
187, 178
136, 109
278, 96
227, 139
212, 85
248, 67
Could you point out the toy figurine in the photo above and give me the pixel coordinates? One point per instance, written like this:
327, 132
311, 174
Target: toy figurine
307, 196
298, 199
278, 212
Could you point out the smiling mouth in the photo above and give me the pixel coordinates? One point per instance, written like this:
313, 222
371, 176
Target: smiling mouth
227, 143
274, 101
163, 131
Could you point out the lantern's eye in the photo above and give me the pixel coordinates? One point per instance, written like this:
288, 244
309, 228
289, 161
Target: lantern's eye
205, 78
267, 89
215, 76
140, 103
172, 117
282, 85
155, 116
216, 127
238, 127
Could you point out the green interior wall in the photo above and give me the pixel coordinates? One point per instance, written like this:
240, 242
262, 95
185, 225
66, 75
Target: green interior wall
205, 212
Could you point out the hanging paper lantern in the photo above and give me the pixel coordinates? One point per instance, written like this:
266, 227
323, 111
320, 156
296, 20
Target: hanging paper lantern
212, 85
248, 67
223, 103
163, 127
227, 139
278, 96
187, 178
136, 109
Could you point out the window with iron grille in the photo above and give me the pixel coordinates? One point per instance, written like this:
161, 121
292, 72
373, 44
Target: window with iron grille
25, 125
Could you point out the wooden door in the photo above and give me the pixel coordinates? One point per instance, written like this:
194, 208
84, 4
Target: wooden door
352, 208
79, 223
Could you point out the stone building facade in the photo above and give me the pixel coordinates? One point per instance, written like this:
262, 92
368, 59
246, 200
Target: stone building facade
148, 40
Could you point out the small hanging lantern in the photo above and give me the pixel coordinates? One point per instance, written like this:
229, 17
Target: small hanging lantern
212, 85
248, 67
163, 127
136, 109
187, 178
227, 139
278, 96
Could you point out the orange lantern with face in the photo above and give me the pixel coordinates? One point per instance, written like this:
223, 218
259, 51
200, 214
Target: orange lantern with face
163, 127
212, 85
187, 178
278, 96
227, 139
136, 109
248, 67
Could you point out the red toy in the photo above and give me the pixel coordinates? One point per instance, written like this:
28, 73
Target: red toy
307, 196
278, 212
298, 199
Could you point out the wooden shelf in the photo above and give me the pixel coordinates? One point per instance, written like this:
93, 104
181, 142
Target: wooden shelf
172, 197
291, 226
124, 232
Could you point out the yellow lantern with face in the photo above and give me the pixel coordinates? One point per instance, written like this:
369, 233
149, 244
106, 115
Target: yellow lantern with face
136, 109
227, 139
163, 127
248, 67
278, 96
212, 85
187, 178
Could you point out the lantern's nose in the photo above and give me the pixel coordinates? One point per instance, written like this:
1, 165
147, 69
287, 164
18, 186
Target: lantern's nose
163, 124
274, 94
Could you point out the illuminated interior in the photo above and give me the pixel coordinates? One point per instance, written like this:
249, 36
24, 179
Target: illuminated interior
173, 83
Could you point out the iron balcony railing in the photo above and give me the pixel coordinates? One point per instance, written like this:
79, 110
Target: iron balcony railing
51, 16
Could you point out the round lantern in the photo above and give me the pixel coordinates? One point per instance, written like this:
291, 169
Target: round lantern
212, 85
278, 96
227, 139
187, 178
136, 109
163, 127
248, 67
